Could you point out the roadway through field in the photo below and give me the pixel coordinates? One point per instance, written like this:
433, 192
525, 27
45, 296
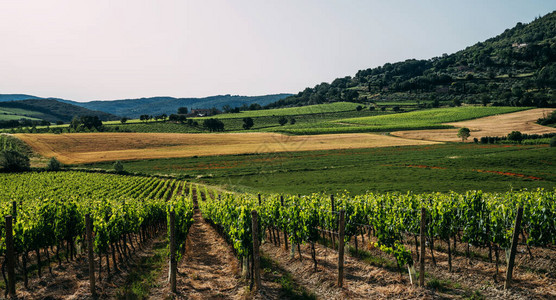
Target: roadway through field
208, 269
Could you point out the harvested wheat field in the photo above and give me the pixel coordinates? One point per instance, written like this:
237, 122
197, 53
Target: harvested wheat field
500, 125
78, 148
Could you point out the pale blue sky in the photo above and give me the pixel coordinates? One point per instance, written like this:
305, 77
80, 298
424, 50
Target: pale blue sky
100, 50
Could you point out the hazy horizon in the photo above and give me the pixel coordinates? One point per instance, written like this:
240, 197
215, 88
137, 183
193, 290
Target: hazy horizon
107, 50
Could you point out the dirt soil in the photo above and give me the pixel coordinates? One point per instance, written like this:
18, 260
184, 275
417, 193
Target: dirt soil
362, 281
208, 270
378, 278
70, 280
77, 148
500, 125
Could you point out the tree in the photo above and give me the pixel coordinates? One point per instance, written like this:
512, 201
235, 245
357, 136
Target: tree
515, 136
359, 108
464, 133
183, 111
53, 165
14, 161
292, 121
118, 167
553, 141
213, 125
247, 123
282, 121
123, 120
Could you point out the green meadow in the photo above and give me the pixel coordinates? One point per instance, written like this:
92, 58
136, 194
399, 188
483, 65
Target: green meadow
441, 168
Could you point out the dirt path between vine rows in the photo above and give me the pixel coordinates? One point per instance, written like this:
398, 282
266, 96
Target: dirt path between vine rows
208, 269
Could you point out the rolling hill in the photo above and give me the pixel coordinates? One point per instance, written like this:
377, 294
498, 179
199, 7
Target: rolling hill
47, 109
133, 108
515, 68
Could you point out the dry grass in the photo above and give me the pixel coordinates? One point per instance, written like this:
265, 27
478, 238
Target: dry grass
95, 147
499, 125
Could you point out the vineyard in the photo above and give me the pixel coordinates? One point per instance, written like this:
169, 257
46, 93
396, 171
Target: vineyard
48, 212
59, 216
391, 223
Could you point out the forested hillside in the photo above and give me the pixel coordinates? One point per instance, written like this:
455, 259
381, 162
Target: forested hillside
517, 67
51, 110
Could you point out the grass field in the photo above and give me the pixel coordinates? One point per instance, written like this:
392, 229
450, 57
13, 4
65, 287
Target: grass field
422, 119
498, 125
7, 114
430, 117
93, 147
441, 168
293, 111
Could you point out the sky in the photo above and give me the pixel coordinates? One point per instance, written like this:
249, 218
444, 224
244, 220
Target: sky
102, 50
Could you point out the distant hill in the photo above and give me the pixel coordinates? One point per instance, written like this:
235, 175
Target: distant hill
133, 108
15, 97
50, 110
517, 67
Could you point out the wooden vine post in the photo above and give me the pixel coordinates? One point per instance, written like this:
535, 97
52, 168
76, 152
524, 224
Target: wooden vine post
285, 232
422, 256
513, 250
10, 256
89, 232
256, 255
259, 196
333, 210
341, 249
173, 262
14, 211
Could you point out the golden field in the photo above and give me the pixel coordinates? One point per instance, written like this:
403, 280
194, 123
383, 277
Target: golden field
76, 148
499, 125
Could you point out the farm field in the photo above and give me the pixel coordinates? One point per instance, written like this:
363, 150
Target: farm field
429, 168
131, 260
421, 119
94, 147
500, 125
293, 111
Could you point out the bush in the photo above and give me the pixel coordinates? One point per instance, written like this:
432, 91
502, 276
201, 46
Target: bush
118, 167
53, 165
282, 121
14, 161
515, 136
213, 125
247, 123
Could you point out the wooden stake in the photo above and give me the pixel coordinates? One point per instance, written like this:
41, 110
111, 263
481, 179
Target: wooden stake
173, 263
513, 250
10, 256
89, 229
422, 256
341, 249
256, 256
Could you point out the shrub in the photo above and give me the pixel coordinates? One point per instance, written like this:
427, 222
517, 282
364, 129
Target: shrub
515, 136
282, 121
14, 161
118, 167
53, 165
